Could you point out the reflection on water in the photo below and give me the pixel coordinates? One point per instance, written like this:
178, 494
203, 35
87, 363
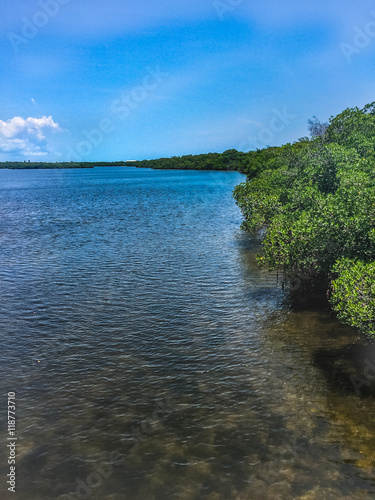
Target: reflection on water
153, 359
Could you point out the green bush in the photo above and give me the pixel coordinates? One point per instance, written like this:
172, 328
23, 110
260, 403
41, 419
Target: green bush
316, 201
353, 294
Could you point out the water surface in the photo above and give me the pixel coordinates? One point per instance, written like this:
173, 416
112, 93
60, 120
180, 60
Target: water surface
152, 358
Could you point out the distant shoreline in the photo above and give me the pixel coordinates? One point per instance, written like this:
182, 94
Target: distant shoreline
10, 165
136, 166
230, 160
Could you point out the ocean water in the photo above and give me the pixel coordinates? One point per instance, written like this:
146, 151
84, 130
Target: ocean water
151, 357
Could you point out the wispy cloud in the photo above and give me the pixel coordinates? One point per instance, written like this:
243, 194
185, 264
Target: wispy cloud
24, 20
26, 137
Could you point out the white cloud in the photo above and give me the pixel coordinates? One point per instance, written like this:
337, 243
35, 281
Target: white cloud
26, 137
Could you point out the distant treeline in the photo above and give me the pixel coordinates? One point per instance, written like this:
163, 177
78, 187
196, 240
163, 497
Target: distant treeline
39, 164
248, 163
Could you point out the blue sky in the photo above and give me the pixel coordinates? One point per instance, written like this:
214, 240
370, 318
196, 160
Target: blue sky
92, 80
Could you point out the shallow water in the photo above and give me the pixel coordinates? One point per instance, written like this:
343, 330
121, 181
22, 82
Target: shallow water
152, 358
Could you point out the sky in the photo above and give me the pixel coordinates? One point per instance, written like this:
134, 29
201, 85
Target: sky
114, 80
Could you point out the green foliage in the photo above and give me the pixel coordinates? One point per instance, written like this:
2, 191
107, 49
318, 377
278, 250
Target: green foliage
353, 294
249, 163
316, 200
